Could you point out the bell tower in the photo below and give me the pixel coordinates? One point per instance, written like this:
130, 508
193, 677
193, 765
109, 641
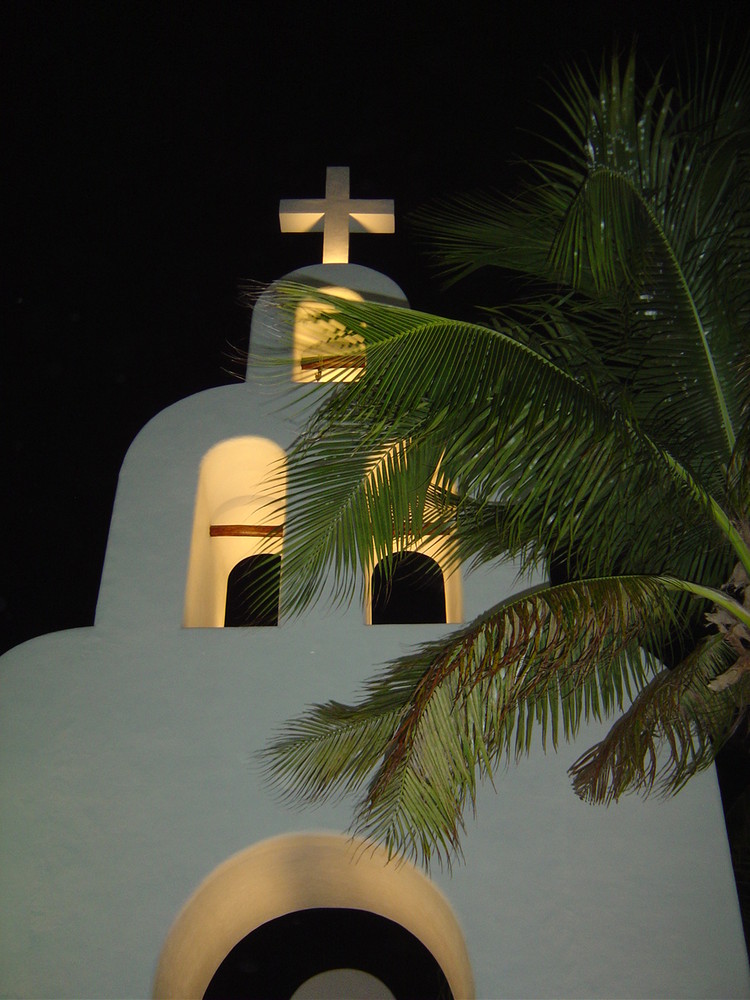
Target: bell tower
142, 853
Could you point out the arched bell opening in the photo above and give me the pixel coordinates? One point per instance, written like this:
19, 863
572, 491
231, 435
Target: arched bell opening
239, 514
253, 589
324, 350
409, 588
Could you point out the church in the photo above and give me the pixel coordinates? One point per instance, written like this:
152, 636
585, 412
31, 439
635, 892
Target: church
145, 855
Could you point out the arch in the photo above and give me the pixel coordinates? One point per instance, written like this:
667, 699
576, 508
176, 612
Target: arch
442, 560
286, 955
253, 590
241, 485
323, 350
406, 589
299, 872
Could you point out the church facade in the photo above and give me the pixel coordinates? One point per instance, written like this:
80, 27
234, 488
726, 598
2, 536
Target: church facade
143, 853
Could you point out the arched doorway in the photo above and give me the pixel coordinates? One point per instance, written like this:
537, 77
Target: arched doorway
285, 876
280, 957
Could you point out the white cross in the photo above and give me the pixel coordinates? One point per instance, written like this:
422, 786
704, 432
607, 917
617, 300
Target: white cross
336, 216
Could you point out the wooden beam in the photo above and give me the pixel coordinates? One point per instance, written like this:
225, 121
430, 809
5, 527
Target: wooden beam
246, 530
349, 362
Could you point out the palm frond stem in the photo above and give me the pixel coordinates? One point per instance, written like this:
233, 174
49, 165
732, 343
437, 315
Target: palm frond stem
718, 514
718, 597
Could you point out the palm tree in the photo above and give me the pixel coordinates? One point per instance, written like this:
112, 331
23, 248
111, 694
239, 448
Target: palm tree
601, 425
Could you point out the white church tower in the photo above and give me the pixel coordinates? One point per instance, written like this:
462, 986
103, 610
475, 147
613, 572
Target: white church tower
142, 854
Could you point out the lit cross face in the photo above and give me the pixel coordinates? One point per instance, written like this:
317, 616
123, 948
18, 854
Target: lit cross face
336, 216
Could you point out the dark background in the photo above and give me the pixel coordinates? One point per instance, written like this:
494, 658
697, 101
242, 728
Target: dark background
146, 147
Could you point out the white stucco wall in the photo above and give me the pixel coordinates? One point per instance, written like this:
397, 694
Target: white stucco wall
128, 775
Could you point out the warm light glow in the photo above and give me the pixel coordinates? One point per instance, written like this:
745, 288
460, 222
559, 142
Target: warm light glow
299, 872
319, 342
336, 216
239, 484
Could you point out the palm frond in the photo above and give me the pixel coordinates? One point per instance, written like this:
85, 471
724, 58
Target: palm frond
433, 723
646, 213
498, 419
674, 729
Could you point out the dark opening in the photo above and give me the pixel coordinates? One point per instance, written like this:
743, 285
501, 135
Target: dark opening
253, 592
410, 590
276, 958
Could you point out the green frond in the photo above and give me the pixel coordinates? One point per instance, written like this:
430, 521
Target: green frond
471, 232
645, 211
621, 240
499, 419
330, 751
434, 723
